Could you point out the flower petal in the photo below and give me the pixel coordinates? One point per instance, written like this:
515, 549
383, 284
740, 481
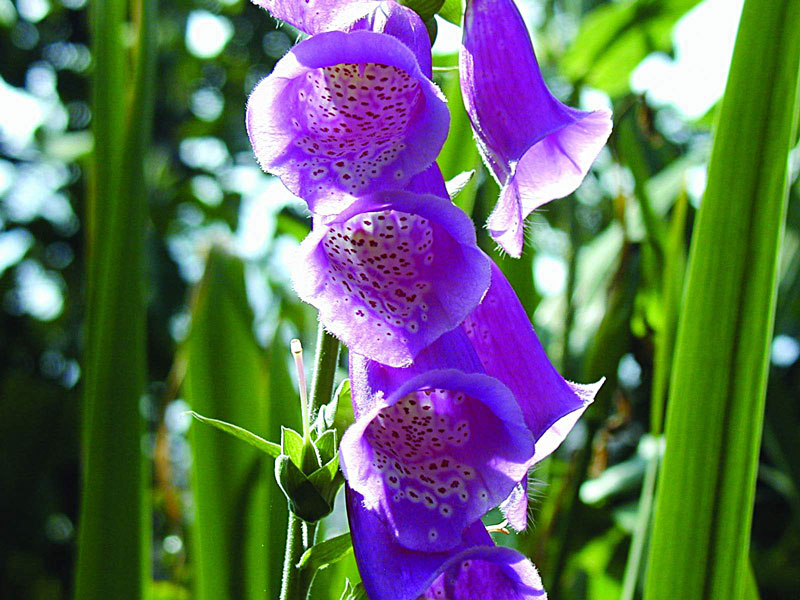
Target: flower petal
537, 148
392, 273
371, 380
346, 114
505, 342
515, 507
403, 23
474, 570
439, 452
487, 573
315, 16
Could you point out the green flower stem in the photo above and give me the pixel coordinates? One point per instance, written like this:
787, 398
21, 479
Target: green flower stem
324, 370
291, 583
299, 534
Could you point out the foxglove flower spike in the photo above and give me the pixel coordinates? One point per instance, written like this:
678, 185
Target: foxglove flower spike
343, 115
537, 148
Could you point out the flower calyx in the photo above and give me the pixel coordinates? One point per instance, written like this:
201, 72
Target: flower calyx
307, 472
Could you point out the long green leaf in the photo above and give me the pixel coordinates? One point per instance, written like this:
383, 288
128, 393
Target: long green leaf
113, 540
270, 448
231, 482
704, 503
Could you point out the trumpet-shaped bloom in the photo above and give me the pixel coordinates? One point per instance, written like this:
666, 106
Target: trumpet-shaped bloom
474, 570
497, 339
343, 115
392, 273
435, 453
507, 346
537, 148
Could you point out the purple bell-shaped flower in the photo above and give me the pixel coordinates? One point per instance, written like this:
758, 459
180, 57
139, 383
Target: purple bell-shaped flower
537, 148
431, 451
344, 115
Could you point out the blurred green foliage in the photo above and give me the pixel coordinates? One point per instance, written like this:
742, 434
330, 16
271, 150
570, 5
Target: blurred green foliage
600, 277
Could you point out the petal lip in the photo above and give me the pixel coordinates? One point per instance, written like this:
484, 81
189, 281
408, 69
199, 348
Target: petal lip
537, 149
277, 125
371, 380
459, 277
497, 460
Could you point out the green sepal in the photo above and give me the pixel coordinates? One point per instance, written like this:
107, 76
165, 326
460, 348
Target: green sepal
305, 499
326, 446
308, 473
455, 185
271, 448
324, 554
328, 479
353, 592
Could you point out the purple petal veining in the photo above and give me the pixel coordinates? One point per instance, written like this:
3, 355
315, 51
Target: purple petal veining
475, 570
435, 454
538, 148
343, 115
392, 273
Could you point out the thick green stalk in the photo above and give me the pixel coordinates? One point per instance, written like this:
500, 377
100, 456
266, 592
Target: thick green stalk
704, 503
325, 362
112, 536
291, 582
300, 535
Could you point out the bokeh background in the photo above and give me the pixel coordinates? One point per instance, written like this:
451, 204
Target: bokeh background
592, 278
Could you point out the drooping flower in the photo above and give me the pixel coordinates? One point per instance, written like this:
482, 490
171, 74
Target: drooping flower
392, 273
474, 570
501, 334
435, 452
537, 148
497, 339
343, 115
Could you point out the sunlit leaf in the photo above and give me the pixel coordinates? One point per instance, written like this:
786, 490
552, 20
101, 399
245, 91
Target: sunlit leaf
226, 376
716, 400
270, 448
